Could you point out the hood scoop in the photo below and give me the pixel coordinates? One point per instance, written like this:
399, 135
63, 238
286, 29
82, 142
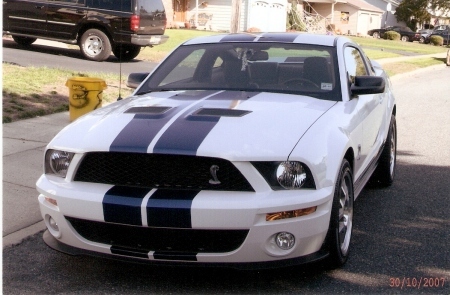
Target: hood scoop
151, 110
218, 112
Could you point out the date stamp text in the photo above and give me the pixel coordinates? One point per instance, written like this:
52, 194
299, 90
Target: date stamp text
416, 283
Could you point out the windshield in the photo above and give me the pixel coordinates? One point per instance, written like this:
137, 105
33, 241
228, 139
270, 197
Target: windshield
257, 66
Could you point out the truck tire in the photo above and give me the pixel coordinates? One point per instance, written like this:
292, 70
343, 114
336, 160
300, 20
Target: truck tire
95, 45
24, 41
126, 52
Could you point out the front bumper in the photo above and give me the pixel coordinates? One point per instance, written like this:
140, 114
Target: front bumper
81, 227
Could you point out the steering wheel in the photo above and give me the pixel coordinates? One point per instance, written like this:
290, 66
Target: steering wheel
300, 82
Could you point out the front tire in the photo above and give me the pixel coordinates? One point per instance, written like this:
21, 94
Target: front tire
376, 35
24, 41
385, 172
341, 221
95, 45
126, 52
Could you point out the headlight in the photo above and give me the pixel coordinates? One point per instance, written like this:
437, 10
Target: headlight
57, 162
286, 175
291, 175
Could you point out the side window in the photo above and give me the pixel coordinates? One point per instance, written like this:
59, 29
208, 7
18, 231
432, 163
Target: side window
123, 5
354, 63
79, 2
218, 63
185, 69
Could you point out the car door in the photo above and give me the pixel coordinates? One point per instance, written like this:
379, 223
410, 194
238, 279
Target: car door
444, 34
369, 110
25, 17
64, 18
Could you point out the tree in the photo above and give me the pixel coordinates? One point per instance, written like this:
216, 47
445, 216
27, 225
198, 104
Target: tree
235, 16
413, 12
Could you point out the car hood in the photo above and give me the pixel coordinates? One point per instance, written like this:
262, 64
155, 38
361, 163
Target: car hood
234, 125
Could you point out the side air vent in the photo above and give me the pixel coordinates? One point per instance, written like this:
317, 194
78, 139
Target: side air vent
217, 112
148, 110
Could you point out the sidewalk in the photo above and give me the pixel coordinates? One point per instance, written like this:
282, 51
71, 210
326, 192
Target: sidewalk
24, 143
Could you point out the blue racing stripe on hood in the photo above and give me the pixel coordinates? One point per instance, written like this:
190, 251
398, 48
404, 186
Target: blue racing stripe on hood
186, 134
142, 129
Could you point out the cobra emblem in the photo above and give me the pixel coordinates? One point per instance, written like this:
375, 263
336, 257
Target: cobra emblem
213, 170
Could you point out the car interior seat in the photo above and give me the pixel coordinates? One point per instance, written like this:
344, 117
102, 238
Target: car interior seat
317, 70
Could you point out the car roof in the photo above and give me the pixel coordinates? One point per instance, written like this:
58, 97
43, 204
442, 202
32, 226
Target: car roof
300, 38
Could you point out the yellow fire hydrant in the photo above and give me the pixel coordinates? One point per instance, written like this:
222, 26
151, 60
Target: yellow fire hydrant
85, 95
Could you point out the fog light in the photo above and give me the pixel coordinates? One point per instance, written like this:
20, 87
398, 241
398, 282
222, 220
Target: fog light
52, 226
285, 240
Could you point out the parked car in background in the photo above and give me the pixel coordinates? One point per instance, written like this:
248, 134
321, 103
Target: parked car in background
97, 26
406, 34
443, 31
241, 150
424, 34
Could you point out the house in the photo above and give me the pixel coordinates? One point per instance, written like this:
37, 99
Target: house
388, 7
354, 17
215, 15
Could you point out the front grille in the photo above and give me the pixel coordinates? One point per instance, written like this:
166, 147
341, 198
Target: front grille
159, 239
160, 171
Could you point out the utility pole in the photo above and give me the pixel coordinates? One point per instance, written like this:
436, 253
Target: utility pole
235, 16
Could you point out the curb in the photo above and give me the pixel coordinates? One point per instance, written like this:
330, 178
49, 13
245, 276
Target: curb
17, 237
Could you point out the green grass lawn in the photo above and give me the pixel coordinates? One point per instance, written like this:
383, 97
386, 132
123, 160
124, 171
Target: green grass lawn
397, 46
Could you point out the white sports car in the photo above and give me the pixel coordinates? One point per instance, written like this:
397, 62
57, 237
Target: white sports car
241, 150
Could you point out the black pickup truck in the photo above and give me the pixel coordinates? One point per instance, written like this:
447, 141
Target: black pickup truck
97, 26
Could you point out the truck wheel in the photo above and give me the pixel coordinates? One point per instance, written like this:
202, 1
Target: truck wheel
126, 52
95, 45
24, 41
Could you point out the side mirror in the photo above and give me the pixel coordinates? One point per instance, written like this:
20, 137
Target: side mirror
135, 79
368, 85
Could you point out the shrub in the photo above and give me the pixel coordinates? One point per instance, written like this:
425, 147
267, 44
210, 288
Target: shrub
436, 40
392, 35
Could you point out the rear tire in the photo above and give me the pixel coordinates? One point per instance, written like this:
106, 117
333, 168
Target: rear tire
376, 35
95, 45
341, 222
385, 172
404, 38
24, 41
126, 52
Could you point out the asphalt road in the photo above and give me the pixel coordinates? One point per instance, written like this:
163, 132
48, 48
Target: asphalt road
61, 56
400, 242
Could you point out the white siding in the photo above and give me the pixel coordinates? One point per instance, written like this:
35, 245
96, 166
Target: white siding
217, 15
351, 26
266, 15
